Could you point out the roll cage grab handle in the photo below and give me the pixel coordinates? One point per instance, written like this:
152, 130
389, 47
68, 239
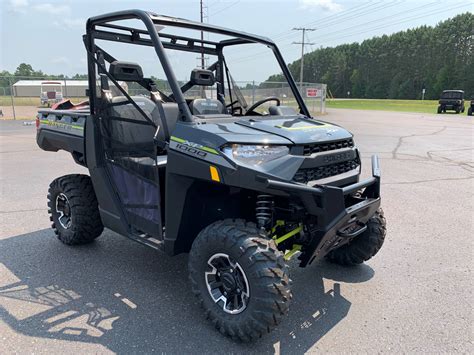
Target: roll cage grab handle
155, 41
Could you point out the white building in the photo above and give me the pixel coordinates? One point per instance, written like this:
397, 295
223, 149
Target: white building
69, 88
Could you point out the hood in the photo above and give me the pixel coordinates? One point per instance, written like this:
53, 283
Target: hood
276, 130
449, 100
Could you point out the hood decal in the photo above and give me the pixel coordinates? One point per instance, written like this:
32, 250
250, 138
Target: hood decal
296, 129
307, 127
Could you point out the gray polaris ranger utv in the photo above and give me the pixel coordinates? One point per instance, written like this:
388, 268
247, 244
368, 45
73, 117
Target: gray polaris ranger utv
192, 167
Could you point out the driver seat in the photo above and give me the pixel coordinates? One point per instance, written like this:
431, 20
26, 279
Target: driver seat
207, 107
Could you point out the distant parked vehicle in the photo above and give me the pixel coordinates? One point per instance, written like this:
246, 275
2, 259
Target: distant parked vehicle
451, 100
50, 94
471, 108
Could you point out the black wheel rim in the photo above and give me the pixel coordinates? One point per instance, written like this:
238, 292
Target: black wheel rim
63, 209
227, 283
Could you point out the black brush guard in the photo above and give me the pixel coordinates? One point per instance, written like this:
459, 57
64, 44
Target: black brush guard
337, 223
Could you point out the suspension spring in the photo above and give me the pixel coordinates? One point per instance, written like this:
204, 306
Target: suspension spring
264, 211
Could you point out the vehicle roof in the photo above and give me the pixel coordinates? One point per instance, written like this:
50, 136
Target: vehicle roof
178, 22
173, 21
461, 91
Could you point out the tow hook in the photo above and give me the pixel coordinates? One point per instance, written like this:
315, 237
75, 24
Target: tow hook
353, 230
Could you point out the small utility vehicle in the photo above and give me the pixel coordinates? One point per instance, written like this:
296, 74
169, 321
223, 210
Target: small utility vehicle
451, 100
51, 92
242, 190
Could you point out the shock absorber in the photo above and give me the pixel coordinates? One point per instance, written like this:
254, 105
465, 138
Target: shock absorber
264, 211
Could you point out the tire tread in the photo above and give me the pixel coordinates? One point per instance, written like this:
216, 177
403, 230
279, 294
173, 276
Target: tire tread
267, 265
364, 246
86, 223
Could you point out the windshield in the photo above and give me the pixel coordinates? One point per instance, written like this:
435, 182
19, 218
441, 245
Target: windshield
451, 95
247, 73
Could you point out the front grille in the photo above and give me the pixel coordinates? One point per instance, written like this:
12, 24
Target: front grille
324, 147
321, 172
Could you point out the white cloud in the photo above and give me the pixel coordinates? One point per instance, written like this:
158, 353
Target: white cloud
60, 60
328, 5
71, 23
21, 6
52, 9
18, 5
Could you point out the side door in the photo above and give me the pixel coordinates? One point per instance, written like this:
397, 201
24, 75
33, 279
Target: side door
126, 127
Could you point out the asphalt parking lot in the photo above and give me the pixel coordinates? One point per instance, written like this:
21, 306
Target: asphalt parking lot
117, 296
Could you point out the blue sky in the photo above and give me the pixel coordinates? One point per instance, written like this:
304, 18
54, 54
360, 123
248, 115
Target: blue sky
48, 34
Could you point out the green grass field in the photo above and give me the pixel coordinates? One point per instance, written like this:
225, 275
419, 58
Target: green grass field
426, 106
19, 101
28, 101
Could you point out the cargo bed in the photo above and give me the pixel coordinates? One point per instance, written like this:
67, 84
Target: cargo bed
62, 130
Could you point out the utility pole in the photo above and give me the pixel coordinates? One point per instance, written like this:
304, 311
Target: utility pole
303, 43
202, 36
204, 15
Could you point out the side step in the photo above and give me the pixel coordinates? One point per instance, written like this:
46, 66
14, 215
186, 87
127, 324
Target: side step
148, 240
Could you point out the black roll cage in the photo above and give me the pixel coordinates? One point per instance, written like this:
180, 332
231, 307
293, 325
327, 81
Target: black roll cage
109, 32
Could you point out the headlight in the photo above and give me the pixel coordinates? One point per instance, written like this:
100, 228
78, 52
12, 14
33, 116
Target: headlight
255, 154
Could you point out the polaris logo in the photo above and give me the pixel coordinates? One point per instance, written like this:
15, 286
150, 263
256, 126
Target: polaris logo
337, 157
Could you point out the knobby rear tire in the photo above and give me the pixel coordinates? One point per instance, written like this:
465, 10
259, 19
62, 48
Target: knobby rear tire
85, 224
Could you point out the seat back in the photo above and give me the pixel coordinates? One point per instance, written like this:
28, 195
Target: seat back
207, 107
137, 135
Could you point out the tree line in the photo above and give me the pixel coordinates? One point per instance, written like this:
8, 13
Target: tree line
397, 66
25, 71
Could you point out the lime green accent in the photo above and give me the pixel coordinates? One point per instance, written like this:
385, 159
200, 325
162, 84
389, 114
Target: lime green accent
289, 254
279, 223
209, 150
288, 235
200, 147
176, 139
59, 124
303, 127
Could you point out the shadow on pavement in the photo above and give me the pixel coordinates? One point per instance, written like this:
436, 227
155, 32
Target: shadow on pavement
131, 299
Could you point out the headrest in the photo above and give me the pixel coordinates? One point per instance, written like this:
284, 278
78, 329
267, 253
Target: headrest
126, 71
207, 107
202, 77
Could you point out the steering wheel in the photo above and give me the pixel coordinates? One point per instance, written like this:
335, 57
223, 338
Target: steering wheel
260, 102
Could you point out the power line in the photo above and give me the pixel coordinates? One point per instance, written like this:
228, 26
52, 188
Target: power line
356, 11
322, 20
437, 11
415, 9
402, 20
303, 31
225, 8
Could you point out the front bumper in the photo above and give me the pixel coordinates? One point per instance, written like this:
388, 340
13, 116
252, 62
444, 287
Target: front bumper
337, 222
